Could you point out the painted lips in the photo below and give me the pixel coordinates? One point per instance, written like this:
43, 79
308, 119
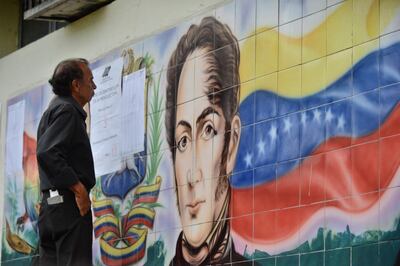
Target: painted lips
194, 206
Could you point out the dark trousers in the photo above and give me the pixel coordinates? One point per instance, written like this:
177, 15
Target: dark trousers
65, 237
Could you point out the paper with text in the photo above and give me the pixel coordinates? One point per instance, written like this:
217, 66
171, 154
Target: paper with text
105, 125
133, 110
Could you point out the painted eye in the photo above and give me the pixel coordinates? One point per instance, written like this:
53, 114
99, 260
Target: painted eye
208, 132
182, 143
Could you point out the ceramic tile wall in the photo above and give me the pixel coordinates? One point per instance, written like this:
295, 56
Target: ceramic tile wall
310, 172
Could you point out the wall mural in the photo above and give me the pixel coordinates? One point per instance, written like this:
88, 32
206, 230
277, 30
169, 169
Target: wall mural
21, 186
272, 136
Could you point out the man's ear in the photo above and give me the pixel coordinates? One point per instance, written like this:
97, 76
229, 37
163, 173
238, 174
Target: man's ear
233, 143
75, 86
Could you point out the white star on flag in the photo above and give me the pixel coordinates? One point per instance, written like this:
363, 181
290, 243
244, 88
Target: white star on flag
247, 159
317, 115
261, 147
272, 132
329, 116
341, 122
287, 125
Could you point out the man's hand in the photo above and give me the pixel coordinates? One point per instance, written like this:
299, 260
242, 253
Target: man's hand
81, 197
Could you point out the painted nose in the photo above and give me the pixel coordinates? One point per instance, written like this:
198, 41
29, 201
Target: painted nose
193, 177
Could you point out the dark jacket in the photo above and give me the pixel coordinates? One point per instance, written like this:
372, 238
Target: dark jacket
63, 148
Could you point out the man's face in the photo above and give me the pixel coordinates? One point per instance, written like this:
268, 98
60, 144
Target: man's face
199, 138
87, 86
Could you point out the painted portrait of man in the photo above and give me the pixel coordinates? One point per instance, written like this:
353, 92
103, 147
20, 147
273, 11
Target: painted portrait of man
203, 136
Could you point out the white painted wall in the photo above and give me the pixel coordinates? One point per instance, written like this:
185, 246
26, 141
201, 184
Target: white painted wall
119, 23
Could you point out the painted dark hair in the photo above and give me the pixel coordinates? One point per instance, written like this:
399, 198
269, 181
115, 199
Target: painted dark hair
223, 57
64, 73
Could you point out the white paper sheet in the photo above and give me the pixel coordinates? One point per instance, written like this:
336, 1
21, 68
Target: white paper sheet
15, 138
106, 102
105, 140
105, 110
133, 110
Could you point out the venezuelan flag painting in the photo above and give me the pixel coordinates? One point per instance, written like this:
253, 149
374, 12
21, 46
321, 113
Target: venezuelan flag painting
318, 157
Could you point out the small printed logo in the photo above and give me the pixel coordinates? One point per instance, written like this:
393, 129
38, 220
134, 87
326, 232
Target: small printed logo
106, 71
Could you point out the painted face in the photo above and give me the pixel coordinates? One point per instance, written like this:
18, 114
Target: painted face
87, 85
199, 137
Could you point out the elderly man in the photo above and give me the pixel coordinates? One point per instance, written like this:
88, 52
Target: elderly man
66, 168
